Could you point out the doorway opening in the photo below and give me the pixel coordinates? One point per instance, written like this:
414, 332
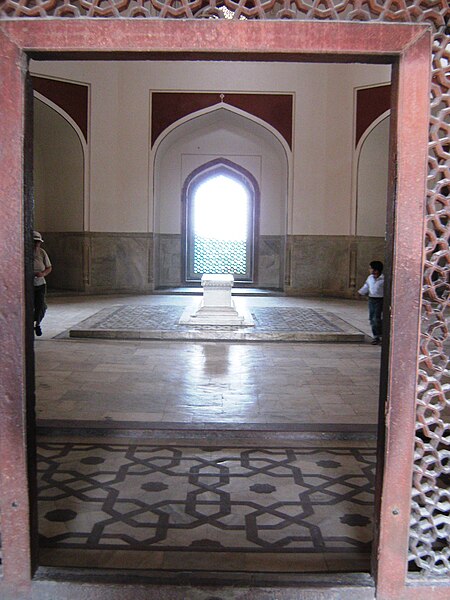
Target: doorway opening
220, 201
237, 424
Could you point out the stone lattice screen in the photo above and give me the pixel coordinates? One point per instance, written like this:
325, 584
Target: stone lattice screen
430, 520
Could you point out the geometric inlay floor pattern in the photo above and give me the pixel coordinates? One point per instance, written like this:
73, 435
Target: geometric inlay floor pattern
317, 498
270, 323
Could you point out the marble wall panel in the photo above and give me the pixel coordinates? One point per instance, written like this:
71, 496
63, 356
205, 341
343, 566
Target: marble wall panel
270, 262
137, 262
168, 265
330, 265
100, 262
319, 264
66, 252
120, 262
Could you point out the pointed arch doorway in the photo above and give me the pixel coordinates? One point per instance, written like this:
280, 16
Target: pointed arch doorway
220, 202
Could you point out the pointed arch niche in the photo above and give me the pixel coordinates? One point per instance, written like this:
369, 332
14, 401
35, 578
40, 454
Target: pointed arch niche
371, 193
61, 191
228, 135
59, 168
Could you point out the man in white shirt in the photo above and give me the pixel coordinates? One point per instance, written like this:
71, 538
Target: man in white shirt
42, 267
374, 288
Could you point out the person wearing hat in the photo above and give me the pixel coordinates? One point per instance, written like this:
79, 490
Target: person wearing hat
42, 267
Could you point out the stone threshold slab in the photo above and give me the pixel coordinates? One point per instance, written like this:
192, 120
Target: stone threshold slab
271, 325
211, 433
241, 562
169, 584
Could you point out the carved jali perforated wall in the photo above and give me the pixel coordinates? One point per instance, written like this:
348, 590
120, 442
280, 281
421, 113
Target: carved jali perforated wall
430, 523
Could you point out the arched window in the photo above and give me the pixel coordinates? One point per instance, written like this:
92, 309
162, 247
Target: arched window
220, 202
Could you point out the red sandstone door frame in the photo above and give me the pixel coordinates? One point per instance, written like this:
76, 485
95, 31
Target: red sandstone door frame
408, 48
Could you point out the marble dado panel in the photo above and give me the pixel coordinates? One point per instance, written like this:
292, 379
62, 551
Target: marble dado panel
141, 262
121, 262
168, 271
330, 265
67, 255
269, 261
100, 262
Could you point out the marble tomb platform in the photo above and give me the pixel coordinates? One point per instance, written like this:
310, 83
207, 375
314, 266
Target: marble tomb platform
161, 322
217, 306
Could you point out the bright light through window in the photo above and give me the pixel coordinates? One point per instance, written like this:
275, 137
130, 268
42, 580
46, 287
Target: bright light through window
221, 209
219, 225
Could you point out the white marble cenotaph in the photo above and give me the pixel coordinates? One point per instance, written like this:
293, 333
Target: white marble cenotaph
217, 306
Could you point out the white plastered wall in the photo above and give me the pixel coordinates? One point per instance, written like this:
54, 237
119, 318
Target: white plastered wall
320, 201
340, 135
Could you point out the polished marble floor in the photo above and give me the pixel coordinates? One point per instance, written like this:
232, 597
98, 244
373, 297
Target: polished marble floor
189, 382
269, 504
